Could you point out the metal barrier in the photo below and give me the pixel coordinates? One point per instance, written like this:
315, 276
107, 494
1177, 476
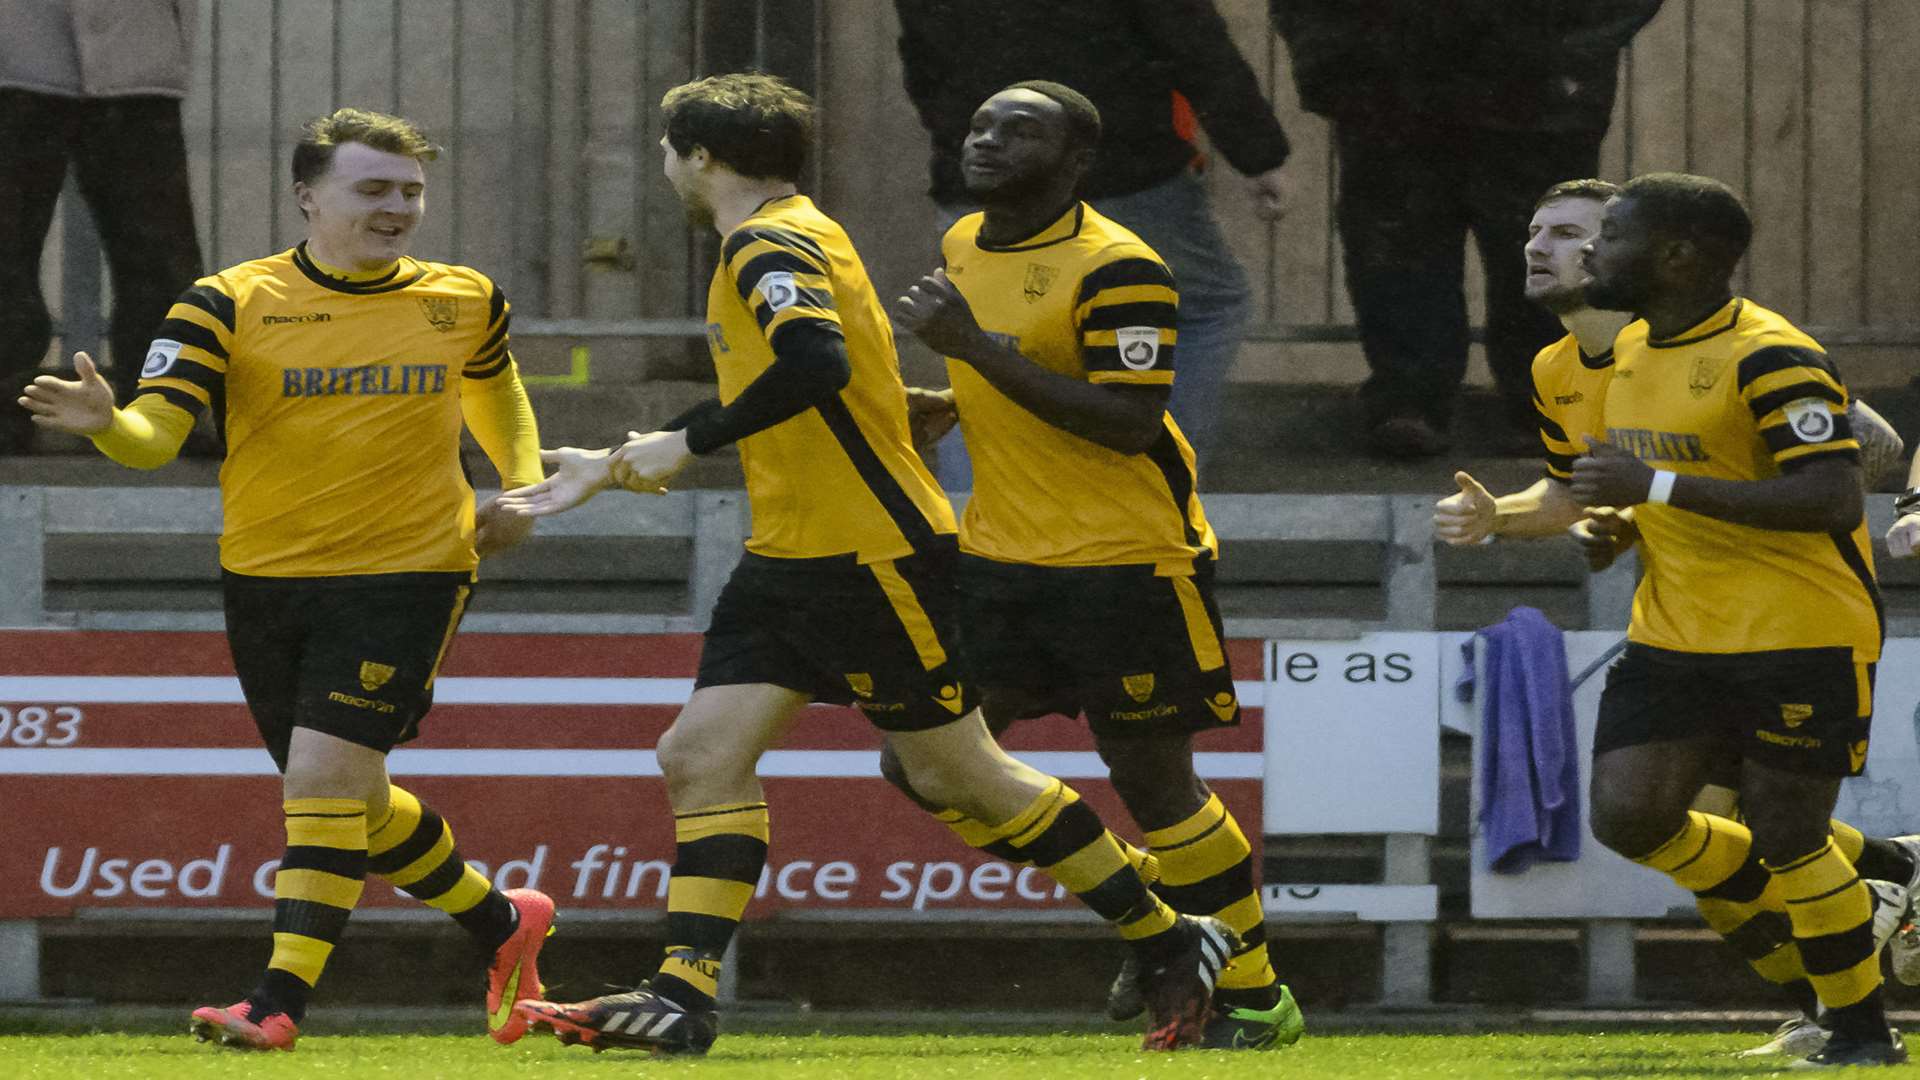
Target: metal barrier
715, 522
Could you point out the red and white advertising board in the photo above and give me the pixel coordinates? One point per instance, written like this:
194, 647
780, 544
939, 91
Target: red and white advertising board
131, 776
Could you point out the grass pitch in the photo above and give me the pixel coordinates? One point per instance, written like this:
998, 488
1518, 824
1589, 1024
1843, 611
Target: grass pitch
932, 1052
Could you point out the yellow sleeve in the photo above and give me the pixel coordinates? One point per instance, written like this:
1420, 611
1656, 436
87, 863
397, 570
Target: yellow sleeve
146, 434
501, 418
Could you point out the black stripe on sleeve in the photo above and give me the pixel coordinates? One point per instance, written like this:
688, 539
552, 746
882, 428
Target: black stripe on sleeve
785, 238
175, 396
196, 373
823, 325
1107, 358
1762, 362
212, 301
1781, 437
772, 262
1134, 271
488, 371
487, 359
810, 300
496, 306
1773, 399
907, 517
1144, 313
1559, 466
1831, 453
187, 333
1549, 427
494, 339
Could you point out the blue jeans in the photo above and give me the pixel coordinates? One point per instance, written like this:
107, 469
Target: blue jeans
1173, 218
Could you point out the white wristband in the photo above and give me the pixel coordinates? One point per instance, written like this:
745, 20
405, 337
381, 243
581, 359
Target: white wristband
1661, 490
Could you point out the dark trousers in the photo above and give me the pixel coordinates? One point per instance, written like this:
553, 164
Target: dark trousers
130, 161
1407, 201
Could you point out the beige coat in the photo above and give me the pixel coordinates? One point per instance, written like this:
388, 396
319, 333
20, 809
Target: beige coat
97, 48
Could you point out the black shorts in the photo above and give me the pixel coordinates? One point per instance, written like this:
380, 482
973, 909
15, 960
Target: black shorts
353, 657
1803, 710
878, 636
1136, 651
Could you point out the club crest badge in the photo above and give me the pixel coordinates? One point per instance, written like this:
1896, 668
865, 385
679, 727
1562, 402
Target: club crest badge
374, 676
1138, 687
442, 312
1039, 279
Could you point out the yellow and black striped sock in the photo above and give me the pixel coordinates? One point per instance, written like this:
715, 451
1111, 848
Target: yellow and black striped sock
1064, 837
314, 893
414, 850
1712, 857
1764, 939
720, 853
1705, 854
1832, 915
978, 834
1206, 868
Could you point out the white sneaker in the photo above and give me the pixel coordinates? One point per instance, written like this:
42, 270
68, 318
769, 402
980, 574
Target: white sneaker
1910, 845
1893, 924
1892, 910
1797, 1038
1904, 948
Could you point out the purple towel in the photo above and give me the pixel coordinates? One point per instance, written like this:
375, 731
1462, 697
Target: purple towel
1529, 752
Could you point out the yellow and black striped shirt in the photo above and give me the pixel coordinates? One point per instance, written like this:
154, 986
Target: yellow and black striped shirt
342, 400
1569, 391
1087, 299
1743, 395
842, 477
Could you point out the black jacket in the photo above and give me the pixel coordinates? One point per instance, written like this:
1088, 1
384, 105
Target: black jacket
1128, 56
1517, 65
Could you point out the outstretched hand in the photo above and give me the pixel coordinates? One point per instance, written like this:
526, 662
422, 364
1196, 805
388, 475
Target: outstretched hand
81, 406
580, 475
1466, 517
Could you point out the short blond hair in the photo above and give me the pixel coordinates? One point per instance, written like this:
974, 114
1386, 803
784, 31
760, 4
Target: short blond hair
321, 136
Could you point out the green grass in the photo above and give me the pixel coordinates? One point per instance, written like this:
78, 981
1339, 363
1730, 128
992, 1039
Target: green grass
904, 1052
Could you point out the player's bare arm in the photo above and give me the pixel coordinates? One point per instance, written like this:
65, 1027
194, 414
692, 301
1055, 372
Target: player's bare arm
1472, 514
1820, 496
1126, 419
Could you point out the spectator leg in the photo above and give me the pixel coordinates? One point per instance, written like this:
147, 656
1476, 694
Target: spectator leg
34, 130
1515, 169
1215, 301
1403, 235
131, 162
